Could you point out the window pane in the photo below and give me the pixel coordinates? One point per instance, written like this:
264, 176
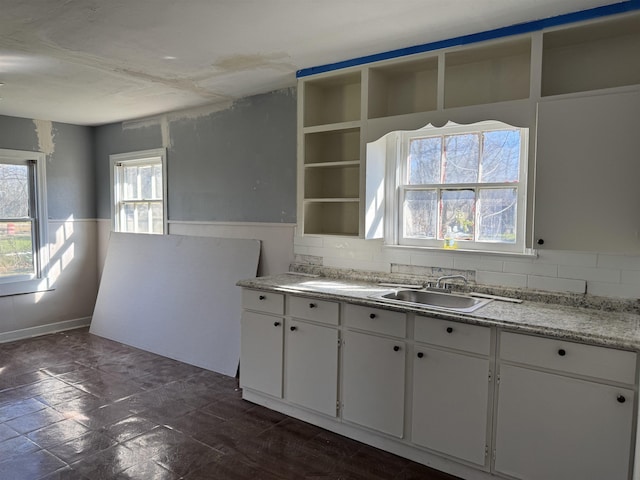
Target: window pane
501, 156
424, 161
462, 155
420, 214
14, 191
497, 215
16, 248
142, 218
458, 214
128, 211
130, 190
156, 213
146, 181
157, 176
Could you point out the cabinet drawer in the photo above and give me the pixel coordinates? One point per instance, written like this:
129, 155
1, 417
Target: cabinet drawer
267, 302
556, 354
461, 336
321, 311
376, 320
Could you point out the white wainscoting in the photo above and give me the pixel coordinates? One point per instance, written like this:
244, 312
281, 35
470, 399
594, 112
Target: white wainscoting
276, 252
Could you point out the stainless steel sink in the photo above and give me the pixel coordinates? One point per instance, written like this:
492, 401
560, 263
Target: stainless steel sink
437, 300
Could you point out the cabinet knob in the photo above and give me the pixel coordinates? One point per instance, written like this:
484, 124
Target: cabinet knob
420, 354
293, 329
372, 316
396, 348
540, 241
449, 329
562, 352
276, 324
621, 399
261, 297
312, 305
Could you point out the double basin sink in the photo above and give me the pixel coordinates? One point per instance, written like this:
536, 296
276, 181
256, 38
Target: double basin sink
438, 300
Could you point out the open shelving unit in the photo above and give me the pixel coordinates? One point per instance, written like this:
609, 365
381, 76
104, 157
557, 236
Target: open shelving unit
591, 57
501, 79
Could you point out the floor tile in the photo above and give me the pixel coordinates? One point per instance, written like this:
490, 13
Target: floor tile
74, 406
30, 466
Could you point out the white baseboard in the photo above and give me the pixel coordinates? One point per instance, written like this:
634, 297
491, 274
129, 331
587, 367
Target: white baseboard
44, 329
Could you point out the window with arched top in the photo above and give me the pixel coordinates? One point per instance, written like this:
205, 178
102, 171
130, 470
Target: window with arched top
451, 187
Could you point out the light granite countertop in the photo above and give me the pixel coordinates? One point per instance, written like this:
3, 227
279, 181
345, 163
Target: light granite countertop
592, 326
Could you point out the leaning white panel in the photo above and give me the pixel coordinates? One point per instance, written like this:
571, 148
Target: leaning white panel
176, 296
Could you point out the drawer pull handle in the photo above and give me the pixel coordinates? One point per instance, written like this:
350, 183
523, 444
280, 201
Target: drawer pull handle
372, 316
562, 352
396, 348
276, 324
449, 329
420, 354
293, 329
312, 305
621, 399
261, 297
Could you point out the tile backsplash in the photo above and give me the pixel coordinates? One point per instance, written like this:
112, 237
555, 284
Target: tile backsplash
593, 273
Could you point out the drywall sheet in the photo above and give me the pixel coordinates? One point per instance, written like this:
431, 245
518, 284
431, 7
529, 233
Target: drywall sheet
176, 296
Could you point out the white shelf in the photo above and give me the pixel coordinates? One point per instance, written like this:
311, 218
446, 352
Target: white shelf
404, 87
332, 182
332, 217
332, 146
332, 99
592, 57
488, 74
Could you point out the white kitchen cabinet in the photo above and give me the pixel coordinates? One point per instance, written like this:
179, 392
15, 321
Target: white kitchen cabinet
261, 348
373, 382
553, 423
450, 403
452, 387
311, 366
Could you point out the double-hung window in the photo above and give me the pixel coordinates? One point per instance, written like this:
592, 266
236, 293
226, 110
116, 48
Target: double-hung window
23, 252
139, 187
458, 187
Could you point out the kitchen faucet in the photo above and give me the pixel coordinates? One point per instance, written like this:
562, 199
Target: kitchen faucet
439, 286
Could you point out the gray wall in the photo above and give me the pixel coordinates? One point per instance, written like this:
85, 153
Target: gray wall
236, 165
70, 166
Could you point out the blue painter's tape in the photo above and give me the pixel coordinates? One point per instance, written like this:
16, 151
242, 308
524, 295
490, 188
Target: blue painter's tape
518, 29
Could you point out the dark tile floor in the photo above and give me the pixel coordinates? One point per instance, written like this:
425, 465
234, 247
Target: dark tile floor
77, 406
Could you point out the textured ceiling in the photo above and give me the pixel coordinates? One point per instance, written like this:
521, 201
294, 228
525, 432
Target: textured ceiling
91, 62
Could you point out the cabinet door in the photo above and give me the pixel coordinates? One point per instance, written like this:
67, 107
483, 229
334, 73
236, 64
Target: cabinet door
312, 366
450, 403
373, 382
556, 428
261, 353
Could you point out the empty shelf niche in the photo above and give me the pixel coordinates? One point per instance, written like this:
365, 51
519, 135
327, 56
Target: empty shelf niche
592, 57
332, 146
334, 99
402, 88
488, 74
332, 182
331, 218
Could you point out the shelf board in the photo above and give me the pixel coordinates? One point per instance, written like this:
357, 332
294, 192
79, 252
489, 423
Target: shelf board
332, 200
346, 163
331, 127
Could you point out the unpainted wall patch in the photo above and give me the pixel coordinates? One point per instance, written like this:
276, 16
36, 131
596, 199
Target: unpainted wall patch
44, 131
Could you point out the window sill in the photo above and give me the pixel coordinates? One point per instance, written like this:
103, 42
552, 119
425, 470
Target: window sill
528, 253
24, 287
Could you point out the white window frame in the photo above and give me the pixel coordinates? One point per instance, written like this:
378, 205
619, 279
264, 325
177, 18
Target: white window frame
142, 157
395, 151
38, 281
